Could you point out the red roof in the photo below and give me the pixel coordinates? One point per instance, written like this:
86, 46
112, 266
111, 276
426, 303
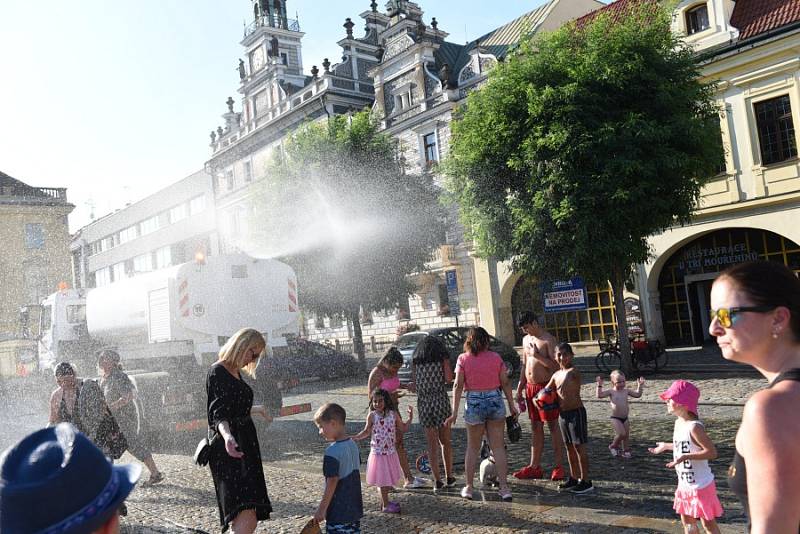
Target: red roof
753, 17
616, 10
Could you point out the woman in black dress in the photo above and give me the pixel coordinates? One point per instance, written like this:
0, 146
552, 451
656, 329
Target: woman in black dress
235, 459
120, 393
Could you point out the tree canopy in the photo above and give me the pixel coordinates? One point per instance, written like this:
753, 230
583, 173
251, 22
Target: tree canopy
338, 207
583, 143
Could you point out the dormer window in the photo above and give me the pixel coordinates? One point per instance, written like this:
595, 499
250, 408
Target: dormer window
697, 19
403, 98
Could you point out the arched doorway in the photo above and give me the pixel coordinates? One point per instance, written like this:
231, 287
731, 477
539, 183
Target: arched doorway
684, 284
596, 322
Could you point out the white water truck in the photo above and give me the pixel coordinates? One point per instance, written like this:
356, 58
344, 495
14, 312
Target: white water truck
168, 327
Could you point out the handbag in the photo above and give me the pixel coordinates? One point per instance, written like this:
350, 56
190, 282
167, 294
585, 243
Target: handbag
110, 437
202, 453
513, 429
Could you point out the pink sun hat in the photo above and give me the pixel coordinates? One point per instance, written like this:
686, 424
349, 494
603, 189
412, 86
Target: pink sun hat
683, 393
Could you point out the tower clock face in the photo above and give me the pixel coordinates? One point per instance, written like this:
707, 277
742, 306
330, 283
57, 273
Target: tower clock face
257, 58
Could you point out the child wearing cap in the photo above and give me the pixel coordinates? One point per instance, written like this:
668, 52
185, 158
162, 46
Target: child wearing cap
696, 495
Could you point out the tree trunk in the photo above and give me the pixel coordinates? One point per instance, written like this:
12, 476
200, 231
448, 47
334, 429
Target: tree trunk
358, 336
618, 287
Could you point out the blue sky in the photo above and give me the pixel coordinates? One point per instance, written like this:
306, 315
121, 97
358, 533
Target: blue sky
114, 100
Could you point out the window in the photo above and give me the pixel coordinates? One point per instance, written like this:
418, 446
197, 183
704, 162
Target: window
76, 313
402, 101
284, 58
197, 204
143, 263
163, 257
47, 318
128, 234
177, 213
118, 271
697, 19
229, 180
34, 236
102, 277
148, 226
431, 149
248, 171
775, 130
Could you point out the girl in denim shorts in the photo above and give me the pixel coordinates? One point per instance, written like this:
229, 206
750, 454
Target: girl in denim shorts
482, 374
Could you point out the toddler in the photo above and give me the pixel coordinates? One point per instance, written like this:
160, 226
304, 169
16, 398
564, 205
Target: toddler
618, 396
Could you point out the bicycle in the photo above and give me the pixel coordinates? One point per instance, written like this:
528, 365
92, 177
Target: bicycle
646, 355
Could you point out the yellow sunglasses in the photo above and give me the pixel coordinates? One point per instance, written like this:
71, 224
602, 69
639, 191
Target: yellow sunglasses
727, 316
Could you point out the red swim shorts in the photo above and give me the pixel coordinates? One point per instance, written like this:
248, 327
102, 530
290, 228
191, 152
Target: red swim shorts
534, 412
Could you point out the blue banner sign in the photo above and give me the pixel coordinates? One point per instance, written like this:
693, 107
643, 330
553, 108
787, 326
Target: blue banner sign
564, 295
452, 293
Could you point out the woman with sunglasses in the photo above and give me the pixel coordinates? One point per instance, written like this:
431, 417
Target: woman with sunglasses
756, 320
235, 459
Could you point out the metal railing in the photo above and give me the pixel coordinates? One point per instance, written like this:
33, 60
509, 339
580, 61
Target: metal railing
272, 21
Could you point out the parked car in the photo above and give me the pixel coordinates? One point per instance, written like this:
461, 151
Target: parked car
453, 339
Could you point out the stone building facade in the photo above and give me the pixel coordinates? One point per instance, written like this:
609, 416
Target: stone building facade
751, 208
35, 259
413, 79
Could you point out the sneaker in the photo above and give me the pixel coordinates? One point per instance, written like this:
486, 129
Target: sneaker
583, 486
451, 481
529, 472
613, 450
505, 494
438, 486
392, 508
558, 473
415, 483
568, 485
466, 493
626, 454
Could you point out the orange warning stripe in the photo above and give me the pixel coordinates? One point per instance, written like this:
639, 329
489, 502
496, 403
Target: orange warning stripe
196, 424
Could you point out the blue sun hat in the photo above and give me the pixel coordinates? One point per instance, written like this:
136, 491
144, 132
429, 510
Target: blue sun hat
56, 481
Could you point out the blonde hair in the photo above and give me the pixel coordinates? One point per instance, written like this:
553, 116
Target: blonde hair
235, 349
616, 374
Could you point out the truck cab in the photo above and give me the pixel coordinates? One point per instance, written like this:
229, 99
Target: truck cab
62, 326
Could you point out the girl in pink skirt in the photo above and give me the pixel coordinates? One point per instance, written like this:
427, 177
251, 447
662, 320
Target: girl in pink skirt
696, 496
383, 465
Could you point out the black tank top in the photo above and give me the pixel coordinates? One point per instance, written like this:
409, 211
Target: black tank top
737, 472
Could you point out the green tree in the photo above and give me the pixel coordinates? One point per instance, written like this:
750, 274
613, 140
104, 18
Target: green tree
582, 144
339, 208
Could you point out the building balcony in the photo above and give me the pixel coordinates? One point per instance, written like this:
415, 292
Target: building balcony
19, 193
272, 21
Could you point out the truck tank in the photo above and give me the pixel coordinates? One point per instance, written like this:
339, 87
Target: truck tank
199, 302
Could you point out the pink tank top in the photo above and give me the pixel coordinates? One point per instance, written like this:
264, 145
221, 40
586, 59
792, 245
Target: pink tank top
390, 384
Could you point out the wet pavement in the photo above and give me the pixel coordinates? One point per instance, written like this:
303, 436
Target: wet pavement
633, 495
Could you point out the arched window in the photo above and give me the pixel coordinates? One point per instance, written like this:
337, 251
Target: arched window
697, 19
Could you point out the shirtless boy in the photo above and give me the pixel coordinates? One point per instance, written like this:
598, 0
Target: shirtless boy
539, 364
618, 396
566, 382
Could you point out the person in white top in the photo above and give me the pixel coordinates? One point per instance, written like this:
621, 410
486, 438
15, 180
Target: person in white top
696, 495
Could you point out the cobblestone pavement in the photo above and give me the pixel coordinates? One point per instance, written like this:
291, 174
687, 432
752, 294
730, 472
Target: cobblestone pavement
632, 495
